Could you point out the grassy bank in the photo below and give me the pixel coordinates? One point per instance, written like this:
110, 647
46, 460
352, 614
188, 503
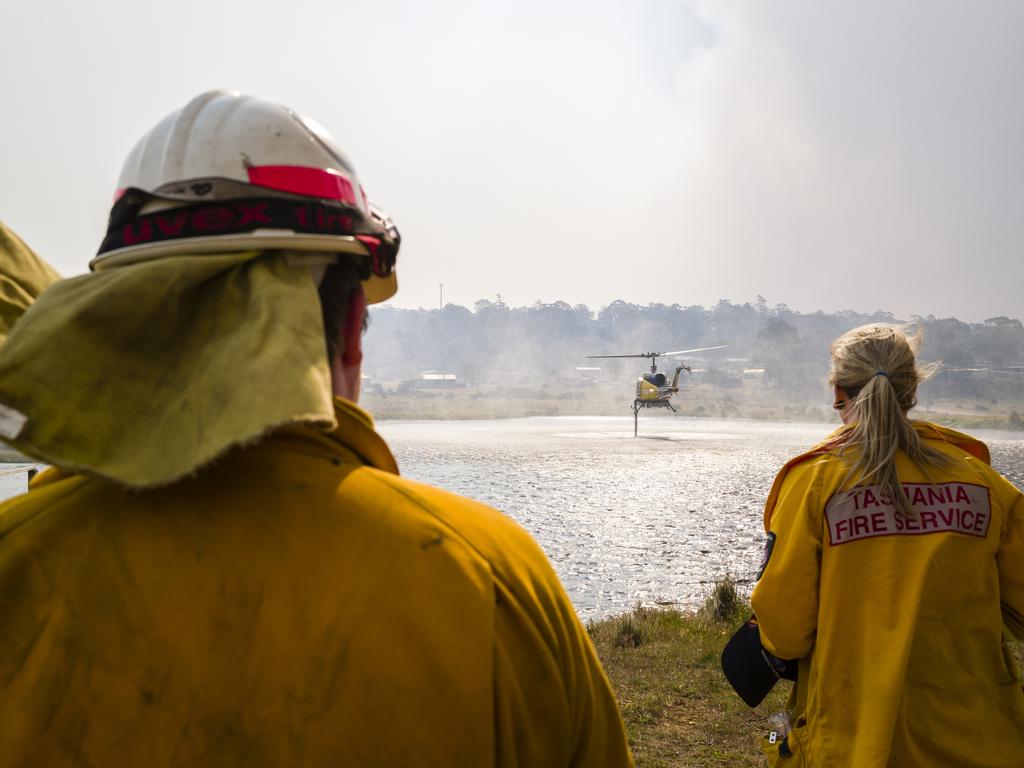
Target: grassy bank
678, 708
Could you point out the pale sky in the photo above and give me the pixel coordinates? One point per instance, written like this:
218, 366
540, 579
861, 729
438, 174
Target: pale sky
827, 154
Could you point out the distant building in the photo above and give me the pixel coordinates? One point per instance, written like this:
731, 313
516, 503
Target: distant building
431, 380
587, 374
369, 386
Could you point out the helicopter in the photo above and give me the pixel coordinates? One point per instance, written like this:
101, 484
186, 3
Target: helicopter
652, 388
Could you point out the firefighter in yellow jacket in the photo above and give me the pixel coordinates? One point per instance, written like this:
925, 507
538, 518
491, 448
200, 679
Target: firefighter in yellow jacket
224, 567
895, 563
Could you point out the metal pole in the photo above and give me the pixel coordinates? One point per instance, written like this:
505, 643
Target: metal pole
440, 303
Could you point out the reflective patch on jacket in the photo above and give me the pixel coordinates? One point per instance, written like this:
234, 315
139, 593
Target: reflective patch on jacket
866, 512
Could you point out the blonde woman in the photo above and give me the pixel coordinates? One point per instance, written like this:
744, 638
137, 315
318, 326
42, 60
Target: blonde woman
895, 561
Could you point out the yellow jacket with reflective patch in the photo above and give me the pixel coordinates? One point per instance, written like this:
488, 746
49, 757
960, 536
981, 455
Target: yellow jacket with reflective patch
295, 604
898, 623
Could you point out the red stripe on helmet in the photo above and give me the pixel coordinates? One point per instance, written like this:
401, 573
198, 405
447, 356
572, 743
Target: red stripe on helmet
302, 180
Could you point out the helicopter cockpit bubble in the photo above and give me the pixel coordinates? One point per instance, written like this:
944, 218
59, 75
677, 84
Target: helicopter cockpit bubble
657, 379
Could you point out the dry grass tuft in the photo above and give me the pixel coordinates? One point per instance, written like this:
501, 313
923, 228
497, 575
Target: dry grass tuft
725, 603
627, 633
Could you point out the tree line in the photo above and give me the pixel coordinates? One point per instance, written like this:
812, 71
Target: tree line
494, 344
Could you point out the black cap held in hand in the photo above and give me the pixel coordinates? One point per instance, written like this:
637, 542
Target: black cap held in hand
750, 669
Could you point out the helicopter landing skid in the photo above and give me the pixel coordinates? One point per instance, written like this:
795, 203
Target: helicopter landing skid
638, 404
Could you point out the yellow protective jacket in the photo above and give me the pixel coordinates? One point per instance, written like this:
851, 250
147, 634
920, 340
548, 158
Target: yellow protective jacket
23, 276
899, 624
295, 604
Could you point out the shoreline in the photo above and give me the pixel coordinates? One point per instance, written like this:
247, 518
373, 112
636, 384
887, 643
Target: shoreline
472, 406
443, 406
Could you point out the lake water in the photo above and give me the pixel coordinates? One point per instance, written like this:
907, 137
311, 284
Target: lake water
653, 519
14, 478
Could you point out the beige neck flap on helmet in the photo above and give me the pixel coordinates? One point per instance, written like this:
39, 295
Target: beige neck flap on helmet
229, 173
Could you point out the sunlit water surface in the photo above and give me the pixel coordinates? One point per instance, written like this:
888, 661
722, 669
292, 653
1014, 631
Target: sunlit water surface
655, 519
14, 478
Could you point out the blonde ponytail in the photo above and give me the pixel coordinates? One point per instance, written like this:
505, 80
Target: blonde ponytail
876, 366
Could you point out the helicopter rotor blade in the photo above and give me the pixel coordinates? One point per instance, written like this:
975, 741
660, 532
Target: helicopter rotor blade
983, 370
659, 354
604, 357
699, 349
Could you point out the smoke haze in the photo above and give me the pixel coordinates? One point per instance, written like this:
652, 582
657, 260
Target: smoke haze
827, 155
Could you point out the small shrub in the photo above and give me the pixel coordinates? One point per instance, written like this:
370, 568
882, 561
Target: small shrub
725, 603
628, 633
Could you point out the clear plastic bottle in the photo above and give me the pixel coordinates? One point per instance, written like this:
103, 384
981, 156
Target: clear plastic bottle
779, 725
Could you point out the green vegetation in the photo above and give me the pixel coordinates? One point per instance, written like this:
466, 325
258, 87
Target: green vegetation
679, 709
725, 603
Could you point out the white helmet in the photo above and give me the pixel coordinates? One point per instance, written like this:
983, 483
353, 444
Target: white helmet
230, 172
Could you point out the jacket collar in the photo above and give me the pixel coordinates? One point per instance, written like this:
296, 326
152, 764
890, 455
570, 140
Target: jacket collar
356, 432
